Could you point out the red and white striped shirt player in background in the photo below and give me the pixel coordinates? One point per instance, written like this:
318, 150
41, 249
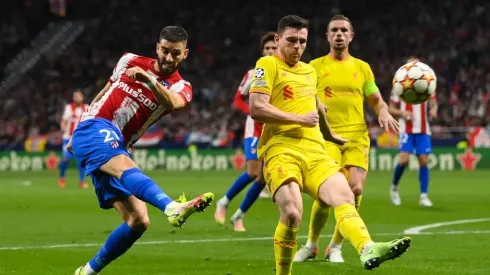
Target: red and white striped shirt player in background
414, 139
253, 130
69, 121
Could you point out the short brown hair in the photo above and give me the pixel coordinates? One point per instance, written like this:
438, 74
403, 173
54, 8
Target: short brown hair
269, 36
342, 17
291, 21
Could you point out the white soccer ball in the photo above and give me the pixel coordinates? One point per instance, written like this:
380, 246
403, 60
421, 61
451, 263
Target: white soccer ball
414, 82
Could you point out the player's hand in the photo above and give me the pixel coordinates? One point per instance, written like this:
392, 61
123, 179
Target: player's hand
387, 121
337, 140
432, 113
136, 73
309, 120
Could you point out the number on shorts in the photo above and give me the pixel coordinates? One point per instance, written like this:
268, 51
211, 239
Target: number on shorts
108, 135
404, 138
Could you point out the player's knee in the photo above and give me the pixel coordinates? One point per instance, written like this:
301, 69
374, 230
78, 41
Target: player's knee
254, 171
344, 196
261, 180
357, 187
423, 160
291, 214
139, 222
404, 158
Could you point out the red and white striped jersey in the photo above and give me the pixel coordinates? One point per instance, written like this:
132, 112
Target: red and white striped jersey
130, 104
252, 128
244, 87
419, 124
72, 115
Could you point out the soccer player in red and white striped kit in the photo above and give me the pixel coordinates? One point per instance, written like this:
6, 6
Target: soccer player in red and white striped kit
414, 138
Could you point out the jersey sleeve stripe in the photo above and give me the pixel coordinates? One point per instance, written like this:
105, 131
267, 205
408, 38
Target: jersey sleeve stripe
260, 91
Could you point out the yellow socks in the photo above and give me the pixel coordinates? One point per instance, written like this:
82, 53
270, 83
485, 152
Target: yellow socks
318, 219
337, 238
351, 226
285, 246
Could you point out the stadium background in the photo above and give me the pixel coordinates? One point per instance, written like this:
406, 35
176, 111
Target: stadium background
50, 48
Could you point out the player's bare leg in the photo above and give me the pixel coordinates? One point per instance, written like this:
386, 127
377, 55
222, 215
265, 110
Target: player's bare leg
254, 169
289, 200
357, 180
404, 157
135, 215
424, 181
336, 192
141, 186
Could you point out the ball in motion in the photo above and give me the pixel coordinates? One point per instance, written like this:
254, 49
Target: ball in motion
414, 82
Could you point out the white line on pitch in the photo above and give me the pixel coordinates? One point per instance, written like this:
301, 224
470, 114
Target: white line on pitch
419, 229
74, 245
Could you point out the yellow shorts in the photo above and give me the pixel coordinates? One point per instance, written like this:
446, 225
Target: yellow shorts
354, 153
308, 169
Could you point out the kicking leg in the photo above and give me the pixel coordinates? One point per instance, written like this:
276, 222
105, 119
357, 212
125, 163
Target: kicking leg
356, 182
145, 189
336, 192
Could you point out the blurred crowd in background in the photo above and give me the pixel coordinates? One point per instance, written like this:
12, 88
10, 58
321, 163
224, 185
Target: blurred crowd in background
451, 36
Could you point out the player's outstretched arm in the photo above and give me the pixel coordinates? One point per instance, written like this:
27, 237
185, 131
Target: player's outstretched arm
261, 110
385, 119
327, 132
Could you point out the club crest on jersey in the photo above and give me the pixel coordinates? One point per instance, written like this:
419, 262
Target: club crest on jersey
164, 83
259, 72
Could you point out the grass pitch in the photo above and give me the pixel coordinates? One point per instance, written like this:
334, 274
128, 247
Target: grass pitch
45, 230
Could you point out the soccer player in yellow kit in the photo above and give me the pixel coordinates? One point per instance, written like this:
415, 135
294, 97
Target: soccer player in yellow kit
343, 84
283, 95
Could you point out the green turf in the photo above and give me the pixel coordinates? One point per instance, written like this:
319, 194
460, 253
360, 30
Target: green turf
34, 213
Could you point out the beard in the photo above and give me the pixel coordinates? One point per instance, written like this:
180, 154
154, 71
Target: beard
166, 68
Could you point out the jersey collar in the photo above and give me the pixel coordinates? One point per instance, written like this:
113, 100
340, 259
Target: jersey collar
330, 55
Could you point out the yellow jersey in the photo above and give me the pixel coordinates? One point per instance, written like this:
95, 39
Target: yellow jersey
342, 86
292, 90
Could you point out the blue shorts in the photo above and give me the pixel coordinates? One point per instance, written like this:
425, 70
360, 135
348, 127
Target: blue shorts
250, 148
66, 154
418, 143
108, 188
94, 142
